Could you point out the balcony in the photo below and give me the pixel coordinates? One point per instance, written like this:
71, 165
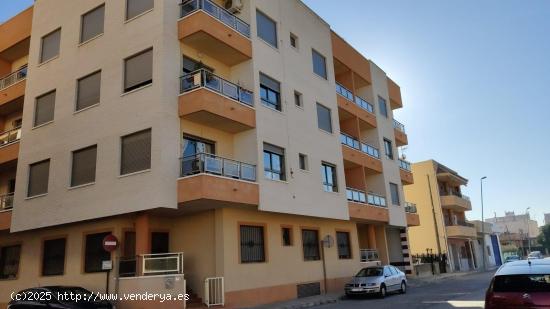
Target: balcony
355, 106
401, 138
209, 28
209, 181
369, 256
394, 93
460, 229
9, 145
6, 205
413, 218
456, 201
367, 206
361, 154
12, 86
213, 101
405, 172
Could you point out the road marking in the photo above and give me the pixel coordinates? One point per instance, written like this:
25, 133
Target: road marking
459, 303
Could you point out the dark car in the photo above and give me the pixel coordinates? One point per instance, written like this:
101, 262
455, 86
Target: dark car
59, 297
520, 284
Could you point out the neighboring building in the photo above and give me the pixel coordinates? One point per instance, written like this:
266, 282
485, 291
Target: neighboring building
517, 231
546, 219
437, 193
492, 250
213, 139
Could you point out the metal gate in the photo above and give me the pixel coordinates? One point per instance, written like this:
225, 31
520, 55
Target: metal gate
214, 292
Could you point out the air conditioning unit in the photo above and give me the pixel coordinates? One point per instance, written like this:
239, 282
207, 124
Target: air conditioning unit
233, 6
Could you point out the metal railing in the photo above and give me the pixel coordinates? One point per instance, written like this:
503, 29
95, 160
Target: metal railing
13, 77
410, 207
355, 195
212, 164
399, 126
355, 144
209, 80
376, 200
6, 201
10, 136
369, 255
216, 11
405, 165
214, 291
343, 91
162, 263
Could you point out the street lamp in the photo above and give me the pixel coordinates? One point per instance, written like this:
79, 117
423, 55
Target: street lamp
527, 226
483, 225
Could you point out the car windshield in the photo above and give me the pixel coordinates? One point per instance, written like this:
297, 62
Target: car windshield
370, 272
69, 294
522, 283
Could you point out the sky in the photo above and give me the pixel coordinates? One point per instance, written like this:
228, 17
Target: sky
473, 76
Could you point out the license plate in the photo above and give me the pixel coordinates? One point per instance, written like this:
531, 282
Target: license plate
356, 290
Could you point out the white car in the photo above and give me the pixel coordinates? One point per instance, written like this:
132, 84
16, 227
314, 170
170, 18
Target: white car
377, 280
535, 255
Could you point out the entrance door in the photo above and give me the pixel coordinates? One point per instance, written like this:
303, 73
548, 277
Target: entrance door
496, 250
456, 257
160, 242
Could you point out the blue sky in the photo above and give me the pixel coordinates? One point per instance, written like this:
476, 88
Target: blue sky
473, 76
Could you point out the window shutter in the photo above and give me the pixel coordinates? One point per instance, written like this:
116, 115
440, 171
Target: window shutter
92, 23
50, 45
84, 166
269, 82
38, 178
44, 108
136, 152
136, 7
138, 70
89, 90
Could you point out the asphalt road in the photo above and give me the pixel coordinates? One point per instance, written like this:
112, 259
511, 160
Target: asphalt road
460, 292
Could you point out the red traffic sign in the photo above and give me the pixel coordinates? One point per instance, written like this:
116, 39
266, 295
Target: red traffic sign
110, 243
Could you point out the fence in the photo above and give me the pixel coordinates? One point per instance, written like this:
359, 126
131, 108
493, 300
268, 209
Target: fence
214, 291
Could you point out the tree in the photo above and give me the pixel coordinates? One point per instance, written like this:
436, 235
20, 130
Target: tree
544, 237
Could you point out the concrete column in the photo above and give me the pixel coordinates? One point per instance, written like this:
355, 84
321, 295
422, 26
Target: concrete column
143, 234
371, 232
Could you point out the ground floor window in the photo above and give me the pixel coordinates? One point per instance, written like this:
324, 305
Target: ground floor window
310, 244
252, 244
344, 247
53, 257
286, 235
9, 261
94, 254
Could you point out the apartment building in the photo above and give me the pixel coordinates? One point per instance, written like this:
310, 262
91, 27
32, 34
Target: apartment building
437, 193
519, 232
242, 151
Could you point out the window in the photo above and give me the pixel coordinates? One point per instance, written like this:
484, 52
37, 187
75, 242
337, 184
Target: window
383, 107
50, 45
286, 236
319, 64
84, 166
138, 70
298, 99
344, 247
394, 190
302, 158
267, 28
310, 244
293, 40
522, 283
388, 148
53, 257
252, 244
94, 254
9, 261
38, 178
92, 24
136, 152
88, 90
274, 162
137, 7
160, 242
324, 118
328, 172
270, 92
44, 108
387, 271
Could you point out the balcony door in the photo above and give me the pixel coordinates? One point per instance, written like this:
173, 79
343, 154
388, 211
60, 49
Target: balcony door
194, 152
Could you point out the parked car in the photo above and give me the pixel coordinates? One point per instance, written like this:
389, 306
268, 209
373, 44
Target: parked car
520, 284
59, 297
534, 255
378, 280
512, 258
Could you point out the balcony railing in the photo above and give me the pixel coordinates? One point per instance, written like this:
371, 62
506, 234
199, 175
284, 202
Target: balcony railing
10, 136
399, 126
13, 78
355, 195
216, 11
410, 208
207, 79
355, 144
405, 165
376, 200
212, 164
343, 91
151, 264
6, 201
369, 255
457, 194
449, 222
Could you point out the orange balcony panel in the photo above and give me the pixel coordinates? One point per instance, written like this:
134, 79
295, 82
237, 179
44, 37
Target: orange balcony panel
362, 159
395, 94
413, 219
217, 191
5, 220
205, 33
351, 58
16, 29
212, 109
456, 203
457, 231
365, 212
401, 138
354, 109
9, 152
406, 177
12, 92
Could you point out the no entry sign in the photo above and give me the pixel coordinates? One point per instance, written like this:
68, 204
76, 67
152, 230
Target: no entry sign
110, 243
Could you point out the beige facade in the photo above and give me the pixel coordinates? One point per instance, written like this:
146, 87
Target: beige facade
208, 182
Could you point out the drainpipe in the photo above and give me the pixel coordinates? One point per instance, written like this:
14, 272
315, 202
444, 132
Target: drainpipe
434, 216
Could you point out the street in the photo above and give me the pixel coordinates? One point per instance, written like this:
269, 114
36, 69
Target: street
467, 291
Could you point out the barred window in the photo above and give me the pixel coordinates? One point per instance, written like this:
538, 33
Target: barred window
53, 257
84, 166
94, 254
310, 244
344, 247
39, 173
252, 244
136, 152
9, 261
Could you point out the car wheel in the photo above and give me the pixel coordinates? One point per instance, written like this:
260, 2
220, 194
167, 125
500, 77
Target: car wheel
403, 289
383, 291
